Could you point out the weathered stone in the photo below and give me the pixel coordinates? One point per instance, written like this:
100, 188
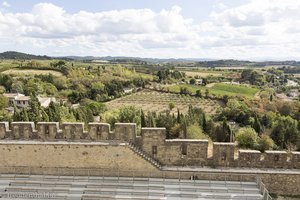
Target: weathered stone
23, 130
125, 132
72, 130
223, 154
47, 130
4, 130
99, 131
250, 158
275, 159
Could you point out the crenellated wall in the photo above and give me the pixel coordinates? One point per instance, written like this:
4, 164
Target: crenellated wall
153, 142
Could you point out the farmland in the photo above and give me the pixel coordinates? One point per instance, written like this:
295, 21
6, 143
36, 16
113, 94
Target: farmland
159, 102
219, 89
202, 73
19, 72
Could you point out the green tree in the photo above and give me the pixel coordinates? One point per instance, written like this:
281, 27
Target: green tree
195, 132
265, 142
204, 124
129, 114
3, 102
257, 125
285, 132
247, 138
44, 116
185, 91
192, 81
198, 93
97, 108
35, 114
23, 115
53, 112
171, 105
143, 119
17, 87
206, 93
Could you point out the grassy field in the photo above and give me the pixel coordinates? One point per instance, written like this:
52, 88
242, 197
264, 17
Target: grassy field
202, 73
219, 89
159, 102
31, 72
205, 73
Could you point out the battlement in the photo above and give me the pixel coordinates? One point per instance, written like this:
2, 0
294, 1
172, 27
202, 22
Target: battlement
70, 131
168, 152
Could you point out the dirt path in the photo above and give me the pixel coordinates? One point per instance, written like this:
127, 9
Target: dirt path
257, 95
210, 85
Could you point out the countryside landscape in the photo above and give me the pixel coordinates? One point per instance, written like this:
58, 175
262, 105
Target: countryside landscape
256, 103
160, 100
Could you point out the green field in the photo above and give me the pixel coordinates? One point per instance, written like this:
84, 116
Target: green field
219, 89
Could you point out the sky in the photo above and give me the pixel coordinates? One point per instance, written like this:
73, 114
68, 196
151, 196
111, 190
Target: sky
207, 29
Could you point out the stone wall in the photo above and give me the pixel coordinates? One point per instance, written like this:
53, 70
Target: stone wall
223, 154
82, 155
176, 152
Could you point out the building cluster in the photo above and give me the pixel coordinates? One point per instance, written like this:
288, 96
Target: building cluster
22, 101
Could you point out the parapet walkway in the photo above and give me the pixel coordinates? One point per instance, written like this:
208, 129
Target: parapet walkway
121, 188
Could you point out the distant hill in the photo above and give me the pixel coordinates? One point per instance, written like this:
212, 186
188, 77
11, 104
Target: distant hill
21, 56
137, 59
195, 62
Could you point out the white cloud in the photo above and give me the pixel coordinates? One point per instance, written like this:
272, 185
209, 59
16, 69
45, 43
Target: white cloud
261, 28
5, 4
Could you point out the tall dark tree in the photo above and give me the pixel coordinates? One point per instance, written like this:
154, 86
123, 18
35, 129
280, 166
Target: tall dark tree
143, 119
178, 116
256, 125
204, 126
35, 114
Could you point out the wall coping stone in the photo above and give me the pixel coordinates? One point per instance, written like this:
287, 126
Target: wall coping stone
187, 140
248, 151
276, 152
32, 142
224, 143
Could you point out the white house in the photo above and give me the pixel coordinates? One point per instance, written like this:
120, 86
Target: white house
199, 81
22, 101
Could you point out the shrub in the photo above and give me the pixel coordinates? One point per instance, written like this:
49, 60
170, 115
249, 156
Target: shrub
264, 143
247, 138
195, 132
171, 105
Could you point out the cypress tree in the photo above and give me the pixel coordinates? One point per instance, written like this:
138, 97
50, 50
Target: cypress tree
24, 115
16, 116
143, 120
204, 127
89, 115
257, 125
178, 116
35, 111
45, 117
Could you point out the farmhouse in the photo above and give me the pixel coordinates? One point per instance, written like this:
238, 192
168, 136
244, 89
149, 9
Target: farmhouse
128, 90
199, 81
22, 101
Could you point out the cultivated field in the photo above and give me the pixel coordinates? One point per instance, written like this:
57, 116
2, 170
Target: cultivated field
202, 73
159, 102
31, 72
219, 89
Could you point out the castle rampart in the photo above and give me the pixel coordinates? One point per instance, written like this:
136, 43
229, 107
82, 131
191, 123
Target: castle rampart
174, 152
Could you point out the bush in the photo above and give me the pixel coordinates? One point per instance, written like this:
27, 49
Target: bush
195, 132
247, 138
264, 143
171, 105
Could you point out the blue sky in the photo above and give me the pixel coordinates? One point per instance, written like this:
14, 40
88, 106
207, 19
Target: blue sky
228, 29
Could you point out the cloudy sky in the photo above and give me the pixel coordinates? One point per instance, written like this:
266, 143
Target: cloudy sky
228, 29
